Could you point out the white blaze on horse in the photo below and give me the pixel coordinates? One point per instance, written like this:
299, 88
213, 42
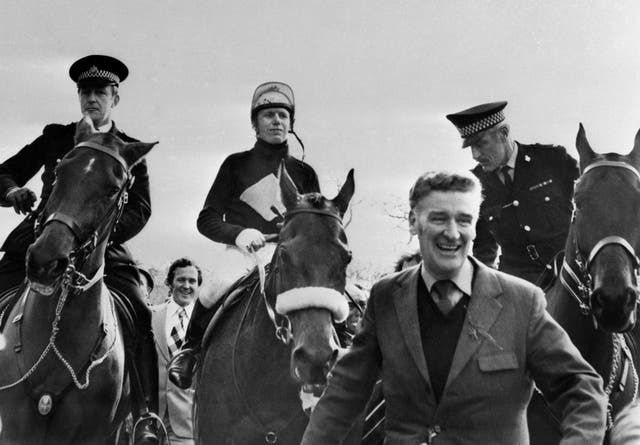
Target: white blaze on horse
63, 379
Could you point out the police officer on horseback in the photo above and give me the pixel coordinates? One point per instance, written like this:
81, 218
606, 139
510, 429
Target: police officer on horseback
97, 78
243, 208
528, 193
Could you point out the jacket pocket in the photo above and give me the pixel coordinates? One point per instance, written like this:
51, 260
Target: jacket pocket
499, 362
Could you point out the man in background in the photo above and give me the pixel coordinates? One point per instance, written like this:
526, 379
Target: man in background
170, 321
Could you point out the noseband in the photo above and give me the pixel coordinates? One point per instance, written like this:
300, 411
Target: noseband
579, 283
88, 240
283, 329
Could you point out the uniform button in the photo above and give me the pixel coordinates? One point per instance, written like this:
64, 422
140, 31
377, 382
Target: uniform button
516, 203
547, 199
437, 429
491, 218
527, 229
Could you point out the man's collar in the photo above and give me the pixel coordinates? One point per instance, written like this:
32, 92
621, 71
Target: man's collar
514, 155
173, 308
462, 279
106, 127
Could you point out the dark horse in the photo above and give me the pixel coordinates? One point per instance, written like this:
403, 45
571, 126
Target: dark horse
596, 296
63, 377
272, 348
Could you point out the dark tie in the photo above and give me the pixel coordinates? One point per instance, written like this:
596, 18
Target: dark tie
508, 182
443, 292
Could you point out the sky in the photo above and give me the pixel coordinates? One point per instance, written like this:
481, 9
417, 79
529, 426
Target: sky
373, 81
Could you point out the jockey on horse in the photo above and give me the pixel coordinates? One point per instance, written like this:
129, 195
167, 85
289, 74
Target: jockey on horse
97, 78
243, 207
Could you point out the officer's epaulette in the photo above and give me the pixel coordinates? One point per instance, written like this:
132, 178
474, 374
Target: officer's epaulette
546, 146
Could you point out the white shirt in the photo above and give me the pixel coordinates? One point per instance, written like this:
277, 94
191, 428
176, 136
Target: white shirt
105, 128
172, 318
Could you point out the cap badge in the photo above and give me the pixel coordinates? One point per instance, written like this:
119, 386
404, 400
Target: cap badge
93, 70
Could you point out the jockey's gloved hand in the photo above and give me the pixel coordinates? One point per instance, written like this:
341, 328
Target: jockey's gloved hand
21, 198
250, 240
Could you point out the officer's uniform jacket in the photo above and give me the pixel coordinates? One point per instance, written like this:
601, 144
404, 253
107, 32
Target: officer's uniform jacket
508, 341
54, 143
530, 224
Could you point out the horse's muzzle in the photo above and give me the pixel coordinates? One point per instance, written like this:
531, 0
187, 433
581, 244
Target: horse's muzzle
615, 311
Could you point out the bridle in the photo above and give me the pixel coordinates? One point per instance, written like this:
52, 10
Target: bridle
577, 281
88, 239
281, 322
283, 327
575, 277
72, 279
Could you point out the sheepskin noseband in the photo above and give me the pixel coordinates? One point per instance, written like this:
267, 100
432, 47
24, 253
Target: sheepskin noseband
318, 297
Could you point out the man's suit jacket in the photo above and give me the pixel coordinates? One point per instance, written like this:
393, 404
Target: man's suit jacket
507, 342
178, 402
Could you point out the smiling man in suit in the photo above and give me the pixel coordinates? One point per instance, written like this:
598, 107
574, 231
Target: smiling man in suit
169, 321
459, 345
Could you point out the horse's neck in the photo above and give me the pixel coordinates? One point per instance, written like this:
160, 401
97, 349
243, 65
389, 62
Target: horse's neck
595, 345
267, 355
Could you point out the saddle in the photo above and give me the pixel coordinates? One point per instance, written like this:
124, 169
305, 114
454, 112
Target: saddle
243, 287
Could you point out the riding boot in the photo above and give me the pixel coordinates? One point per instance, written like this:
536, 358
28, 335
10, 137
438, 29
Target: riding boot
146, 364
182, 365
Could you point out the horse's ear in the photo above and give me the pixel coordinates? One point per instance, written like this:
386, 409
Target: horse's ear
84, 129
345, 194
584, 149
133, 152
290, 193
634, 154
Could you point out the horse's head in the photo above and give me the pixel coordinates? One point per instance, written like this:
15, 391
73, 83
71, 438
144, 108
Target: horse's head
606, 232
311, 261
89, 193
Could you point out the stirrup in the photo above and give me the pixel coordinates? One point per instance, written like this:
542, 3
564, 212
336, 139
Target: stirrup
153, 416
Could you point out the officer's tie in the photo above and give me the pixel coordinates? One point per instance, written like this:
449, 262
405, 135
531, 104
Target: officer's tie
506, 175
177, 332
443, 292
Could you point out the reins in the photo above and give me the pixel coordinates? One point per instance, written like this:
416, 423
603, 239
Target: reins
576, 279
74, 281
282, 330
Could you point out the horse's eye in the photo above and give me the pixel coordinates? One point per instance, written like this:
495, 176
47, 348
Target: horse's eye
349, 256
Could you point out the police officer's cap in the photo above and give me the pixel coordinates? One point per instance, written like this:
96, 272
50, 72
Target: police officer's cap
272, 95
98, 69
472, 121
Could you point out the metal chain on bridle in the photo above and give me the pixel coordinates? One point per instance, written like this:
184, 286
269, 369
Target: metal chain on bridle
72, 280
577, 281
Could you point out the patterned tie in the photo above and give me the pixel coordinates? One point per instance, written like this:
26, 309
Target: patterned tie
442, 290
177, 332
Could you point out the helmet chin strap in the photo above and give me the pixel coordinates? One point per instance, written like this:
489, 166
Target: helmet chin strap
298, 139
